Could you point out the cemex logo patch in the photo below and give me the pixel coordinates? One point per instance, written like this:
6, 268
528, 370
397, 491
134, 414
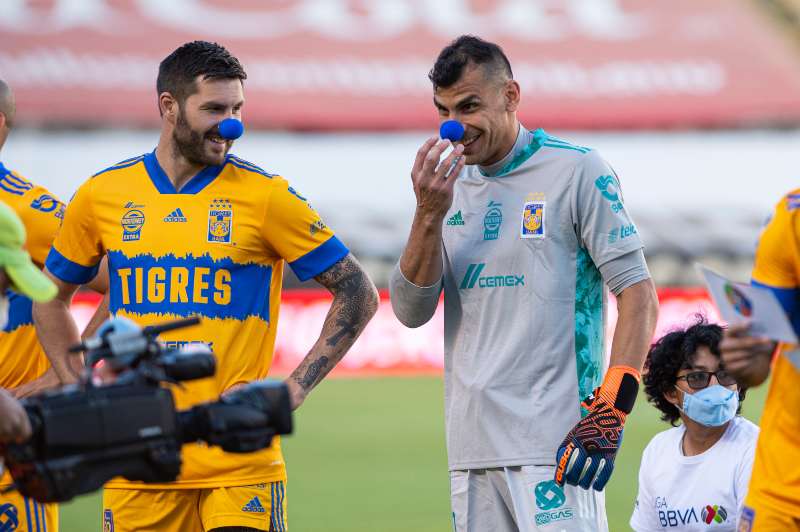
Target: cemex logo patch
473, 277
608, 185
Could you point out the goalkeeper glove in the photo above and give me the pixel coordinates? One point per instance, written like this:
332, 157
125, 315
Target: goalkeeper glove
586, 456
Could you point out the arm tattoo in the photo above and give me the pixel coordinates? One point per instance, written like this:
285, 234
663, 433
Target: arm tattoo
351, 288
313, 372
355, 301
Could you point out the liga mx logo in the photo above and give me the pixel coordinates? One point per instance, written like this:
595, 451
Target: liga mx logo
738, 300
220, 221
108, 521
714, 513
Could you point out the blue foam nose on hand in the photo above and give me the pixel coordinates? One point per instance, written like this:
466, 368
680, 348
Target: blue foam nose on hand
452, 130
230, 129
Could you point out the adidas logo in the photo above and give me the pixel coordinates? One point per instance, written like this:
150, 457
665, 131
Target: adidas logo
254, 506
175, 216
456, 219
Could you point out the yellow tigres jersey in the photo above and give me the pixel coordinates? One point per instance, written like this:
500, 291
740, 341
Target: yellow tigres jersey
776, 471
22, 358
215, 249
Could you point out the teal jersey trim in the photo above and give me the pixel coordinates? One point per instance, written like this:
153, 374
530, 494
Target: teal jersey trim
565, 143
539, 137
588, 325
566, 147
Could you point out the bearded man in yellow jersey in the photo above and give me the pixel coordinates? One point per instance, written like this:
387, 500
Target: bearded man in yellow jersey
191, 229
24, 368
773, 499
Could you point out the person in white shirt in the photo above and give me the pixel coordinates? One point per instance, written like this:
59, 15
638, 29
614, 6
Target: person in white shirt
693, 476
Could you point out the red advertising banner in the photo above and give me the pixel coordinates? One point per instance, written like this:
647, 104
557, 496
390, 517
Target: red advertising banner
388, 348
361, 64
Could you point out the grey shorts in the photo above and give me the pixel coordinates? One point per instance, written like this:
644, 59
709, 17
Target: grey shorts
522, 498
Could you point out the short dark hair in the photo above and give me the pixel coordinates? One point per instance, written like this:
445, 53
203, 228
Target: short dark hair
179, 70
466, 50
673, 352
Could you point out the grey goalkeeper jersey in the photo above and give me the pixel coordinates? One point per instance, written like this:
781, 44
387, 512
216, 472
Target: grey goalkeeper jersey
527, 245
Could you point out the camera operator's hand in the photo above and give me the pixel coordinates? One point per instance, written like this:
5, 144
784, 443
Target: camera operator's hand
14, 423
243, 420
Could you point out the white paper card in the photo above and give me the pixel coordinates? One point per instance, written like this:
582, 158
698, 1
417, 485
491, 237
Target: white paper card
740, 302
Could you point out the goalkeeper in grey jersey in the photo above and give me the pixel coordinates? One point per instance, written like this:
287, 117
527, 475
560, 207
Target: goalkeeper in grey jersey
523, 237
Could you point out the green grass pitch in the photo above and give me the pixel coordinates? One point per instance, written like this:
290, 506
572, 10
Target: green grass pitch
368, 455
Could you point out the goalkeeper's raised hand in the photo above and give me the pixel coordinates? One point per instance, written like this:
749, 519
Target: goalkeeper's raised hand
586, 456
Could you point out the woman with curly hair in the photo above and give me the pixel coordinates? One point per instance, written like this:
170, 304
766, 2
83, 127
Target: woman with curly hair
693, 476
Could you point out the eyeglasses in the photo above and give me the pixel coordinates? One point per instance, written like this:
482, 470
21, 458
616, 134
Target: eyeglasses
697, 380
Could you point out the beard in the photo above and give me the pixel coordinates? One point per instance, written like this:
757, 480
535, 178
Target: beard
190, 143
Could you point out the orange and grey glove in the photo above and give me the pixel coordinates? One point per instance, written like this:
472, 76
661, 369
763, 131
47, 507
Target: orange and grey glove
586, 456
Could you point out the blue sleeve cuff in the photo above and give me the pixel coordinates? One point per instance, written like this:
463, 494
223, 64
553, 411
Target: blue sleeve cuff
68, 271
319, 259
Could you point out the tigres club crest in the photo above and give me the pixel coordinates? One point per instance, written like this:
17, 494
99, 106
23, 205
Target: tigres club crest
108, 521
533, 217
220, 221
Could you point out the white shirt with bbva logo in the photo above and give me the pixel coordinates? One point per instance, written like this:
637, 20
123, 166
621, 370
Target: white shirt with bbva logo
694, 493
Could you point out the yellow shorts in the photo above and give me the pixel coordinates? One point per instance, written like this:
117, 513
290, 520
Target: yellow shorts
759, 518
22, 514
261, 506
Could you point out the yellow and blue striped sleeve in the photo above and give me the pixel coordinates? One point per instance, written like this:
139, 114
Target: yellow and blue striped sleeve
297, 233
77, 248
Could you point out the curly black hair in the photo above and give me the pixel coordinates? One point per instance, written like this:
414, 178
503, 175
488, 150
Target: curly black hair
671, 353
465, 50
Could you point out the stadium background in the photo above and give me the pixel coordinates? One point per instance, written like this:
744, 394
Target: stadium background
696, 104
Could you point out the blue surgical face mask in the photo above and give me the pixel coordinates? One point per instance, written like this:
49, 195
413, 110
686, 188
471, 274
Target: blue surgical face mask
713, 406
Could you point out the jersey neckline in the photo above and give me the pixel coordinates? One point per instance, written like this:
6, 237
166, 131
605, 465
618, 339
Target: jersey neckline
539, 136
193, 186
